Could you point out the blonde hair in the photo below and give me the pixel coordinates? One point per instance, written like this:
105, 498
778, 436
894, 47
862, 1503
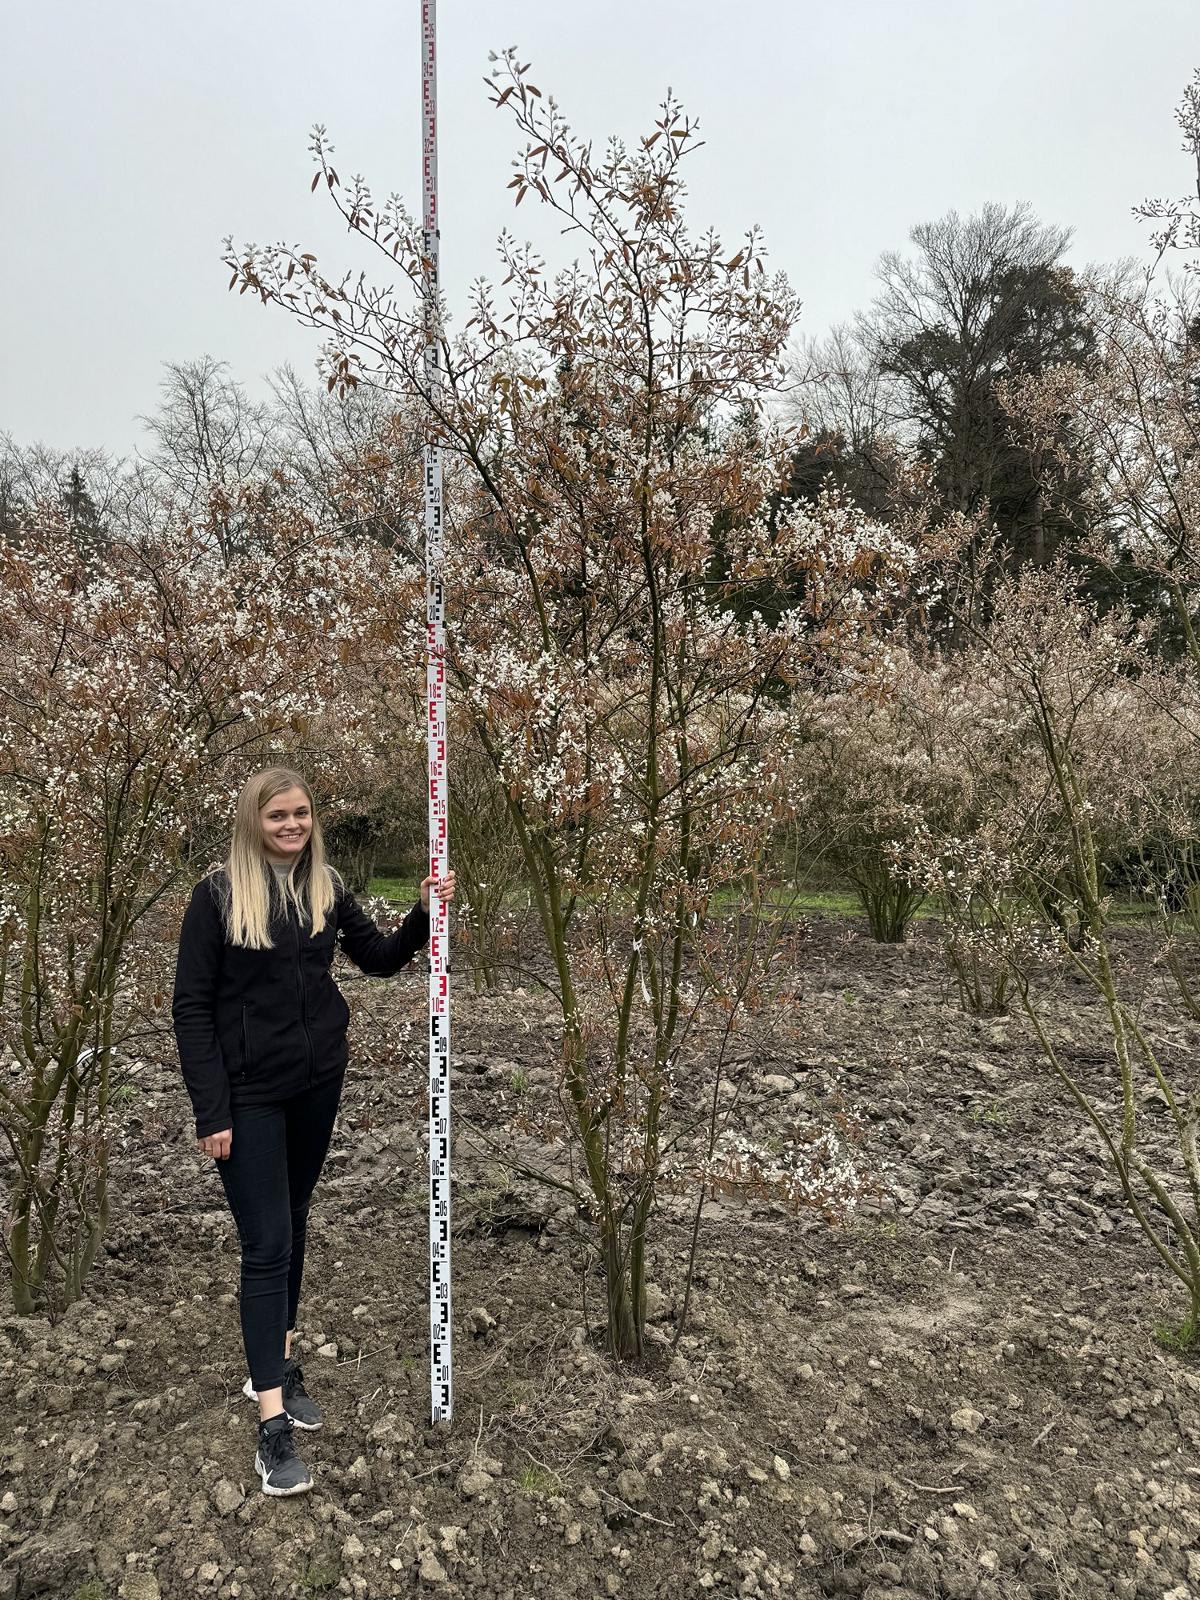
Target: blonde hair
249, 880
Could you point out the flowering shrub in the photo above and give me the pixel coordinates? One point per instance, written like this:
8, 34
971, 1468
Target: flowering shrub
874, 769
132, 695
803, 1165
987, 914
1098, 723
630, 608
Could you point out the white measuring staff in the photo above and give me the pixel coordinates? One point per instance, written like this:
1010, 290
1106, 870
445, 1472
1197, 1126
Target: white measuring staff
441, 1369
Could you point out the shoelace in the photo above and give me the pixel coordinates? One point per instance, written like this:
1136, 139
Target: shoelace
293, 1382
277, 1447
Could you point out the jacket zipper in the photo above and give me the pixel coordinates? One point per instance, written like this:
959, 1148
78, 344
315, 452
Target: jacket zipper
303, 1003
245, 1046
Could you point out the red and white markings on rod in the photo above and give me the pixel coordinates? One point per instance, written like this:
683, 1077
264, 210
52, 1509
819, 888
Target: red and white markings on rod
441, 1373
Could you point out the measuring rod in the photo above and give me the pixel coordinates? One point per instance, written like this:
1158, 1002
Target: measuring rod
441, 1368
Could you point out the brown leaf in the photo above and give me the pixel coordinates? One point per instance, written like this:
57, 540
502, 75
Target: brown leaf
315, 182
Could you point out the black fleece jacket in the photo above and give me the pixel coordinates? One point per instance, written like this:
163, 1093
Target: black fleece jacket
258, 1025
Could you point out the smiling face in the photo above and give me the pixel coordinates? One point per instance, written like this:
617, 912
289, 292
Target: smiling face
286, 822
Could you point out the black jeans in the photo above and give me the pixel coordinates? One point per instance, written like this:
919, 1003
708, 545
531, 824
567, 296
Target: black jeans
274, 1162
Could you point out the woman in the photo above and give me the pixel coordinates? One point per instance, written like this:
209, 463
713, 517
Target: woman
261, 1028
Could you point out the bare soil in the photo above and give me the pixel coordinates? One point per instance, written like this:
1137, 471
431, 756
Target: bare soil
957, 1393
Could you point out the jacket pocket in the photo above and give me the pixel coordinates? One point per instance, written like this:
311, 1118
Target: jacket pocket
332, 1012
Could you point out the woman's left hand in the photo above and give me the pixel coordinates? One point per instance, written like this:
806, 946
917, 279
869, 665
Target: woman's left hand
443, 886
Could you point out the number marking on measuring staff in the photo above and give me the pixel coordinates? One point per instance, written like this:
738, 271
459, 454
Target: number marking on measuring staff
441, 1365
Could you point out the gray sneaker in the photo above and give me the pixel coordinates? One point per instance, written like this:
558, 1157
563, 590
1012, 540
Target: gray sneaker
297, 1402
277, 1464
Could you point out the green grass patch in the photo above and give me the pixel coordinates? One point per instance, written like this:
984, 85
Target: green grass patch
538, 1481
320, 1575
405, 890
1183, 1339
826, 900
1134, 909
827, 903
993, 1115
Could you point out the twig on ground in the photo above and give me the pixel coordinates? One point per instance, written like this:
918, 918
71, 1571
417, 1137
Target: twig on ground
880, 1536
486, 1366
356, 1361
933, 1488
633, 1511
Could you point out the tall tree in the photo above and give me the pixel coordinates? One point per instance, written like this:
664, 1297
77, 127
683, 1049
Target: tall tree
83, 515
984, 301
207, 442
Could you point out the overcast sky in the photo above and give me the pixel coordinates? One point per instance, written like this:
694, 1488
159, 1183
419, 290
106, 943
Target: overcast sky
138, 133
